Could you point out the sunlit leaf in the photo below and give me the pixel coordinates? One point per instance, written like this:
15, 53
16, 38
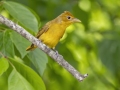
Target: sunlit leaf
31, 76
17, 82
3, 65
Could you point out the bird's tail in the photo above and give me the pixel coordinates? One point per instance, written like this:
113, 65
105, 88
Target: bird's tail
32, 47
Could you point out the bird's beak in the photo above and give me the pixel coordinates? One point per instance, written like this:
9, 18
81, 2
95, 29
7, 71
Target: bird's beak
76, 20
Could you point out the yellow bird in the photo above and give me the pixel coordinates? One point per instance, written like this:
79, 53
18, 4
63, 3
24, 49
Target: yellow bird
52, 31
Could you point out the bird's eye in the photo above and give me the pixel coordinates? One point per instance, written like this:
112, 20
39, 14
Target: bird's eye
69, 17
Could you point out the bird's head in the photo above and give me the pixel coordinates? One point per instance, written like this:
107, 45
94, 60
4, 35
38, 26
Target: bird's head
68, 18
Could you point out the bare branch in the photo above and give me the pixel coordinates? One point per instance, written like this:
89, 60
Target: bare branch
57, 57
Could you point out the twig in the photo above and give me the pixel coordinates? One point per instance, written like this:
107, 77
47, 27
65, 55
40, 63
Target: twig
57, 57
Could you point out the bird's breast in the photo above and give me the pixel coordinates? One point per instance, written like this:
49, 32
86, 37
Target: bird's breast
52, 36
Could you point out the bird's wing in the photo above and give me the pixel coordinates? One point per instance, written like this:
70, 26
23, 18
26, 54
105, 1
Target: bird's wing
43, 29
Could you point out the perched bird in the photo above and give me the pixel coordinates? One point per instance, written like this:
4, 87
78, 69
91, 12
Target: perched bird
52, 31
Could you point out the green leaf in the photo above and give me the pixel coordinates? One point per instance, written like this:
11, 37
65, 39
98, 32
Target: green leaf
31, 76
24, 16
3, 65
6, 45
20, 43
39, 60
17, 82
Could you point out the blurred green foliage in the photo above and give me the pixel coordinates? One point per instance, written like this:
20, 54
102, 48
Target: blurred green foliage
92, 46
